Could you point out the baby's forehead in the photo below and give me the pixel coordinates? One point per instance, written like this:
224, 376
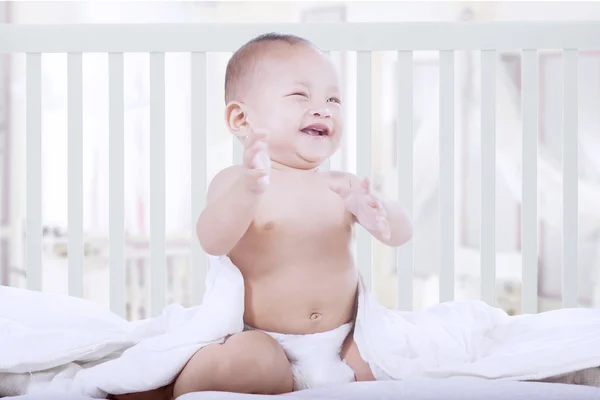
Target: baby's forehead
298, 64
273, 54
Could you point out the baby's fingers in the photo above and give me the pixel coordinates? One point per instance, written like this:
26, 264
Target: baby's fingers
372, 202
381, 209
366, 185
385, 231
258, 137
254, 135
382, 226
249, 155
251, 152
340, 190
256, 174
255, 149
253, 180
251, 140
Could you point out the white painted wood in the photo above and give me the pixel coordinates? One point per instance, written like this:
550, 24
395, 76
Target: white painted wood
488, 177
199, 154
34, 170
405, 257
237, 150
116, 179
529, 218
326, 165
75, 173
446, 199
4, 151
335, 162
157, 184
184, 37
363, 153
570, 177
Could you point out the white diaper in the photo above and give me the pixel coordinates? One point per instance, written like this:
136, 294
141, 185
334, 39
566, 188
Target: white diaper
315, 358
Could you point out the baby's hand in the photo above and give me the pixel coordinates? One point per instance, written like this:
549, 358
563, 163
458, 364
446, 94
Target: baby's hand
365, 206
256, 160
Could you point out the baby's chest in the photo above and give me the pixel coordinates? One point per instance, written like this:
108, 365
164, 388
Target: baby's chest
286, 207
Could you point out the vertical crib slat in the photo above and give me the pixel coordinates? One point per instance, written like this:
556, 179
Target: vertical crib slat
488, 176
116, 178
570, 173
237, 151
75, 178
446, 199
327, 163
198, 259
529, 185
404, 155
363, 157
157, 183
34, 170
4, 264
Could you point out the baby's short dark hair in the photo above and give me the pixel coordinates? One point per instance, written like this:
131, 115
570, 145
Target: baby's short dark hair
244, 60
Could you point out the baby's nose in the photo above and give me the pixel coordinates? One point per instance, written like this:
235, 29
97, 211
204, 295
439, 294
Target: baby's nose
322, 112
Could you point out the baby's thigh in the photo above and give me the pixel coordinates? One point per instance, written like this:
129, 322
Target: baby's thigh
351, 355
249, 362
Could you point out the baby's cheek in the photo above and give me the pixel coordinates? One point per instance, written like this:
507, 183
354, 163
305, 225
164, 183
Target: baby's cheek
282, 123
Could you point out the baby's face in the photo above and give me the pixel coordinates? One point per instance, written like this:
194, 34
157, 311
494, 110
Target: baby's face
296, 96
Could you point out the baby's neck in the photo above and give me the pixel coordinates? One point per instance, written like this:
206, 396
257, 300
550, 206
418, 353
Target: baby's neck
286, 168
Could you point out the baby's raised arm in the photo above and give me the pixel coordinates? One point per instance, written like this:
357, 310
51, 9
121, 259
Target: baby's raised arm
231, 203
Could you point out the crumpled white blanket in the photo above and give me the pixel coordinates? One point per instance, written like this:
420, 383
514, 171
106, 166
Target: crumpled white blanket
62, 344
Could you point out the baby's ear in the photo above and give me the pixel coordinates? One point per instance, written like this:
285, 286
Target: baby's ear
235, 118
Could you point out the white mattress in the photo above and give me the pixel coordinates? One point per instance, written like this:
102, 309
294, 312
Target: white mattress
427, 390
397, 390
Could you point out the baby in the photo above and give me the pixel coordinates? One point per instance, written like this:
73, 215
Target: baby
288, 227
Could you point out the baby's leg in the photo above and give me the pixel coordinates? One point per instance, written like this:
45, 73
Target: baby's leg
350, 354
250, 362
586, 377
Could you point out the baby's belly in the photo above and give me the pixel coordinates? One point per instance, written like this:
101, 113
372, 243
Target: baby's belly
300, 298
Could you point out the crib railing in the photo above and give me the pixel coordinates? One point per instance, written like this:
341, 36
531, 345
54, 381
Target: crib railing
364, 38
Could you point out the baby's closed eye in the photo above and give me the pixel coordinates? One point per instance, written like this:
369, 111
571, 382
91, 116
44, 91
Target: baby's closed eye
301, 94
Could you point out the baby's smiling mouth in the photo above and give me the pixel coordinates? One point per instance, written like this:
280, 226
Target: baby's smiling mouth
317, 130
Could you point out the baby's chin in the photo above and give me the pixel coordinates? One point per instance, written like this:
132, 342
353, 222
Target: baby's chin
315, 153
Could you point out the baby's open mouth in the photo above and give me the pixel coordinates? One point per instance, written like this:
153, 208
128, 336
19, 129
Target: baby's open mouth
317, 130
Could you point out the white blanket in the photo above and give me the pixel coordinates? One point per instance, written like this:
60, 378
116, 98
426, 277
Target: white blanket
61, 344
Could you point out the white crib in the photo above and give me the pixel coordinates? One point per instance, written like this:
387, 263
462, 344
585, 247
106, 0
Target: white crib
404, 38
362, 38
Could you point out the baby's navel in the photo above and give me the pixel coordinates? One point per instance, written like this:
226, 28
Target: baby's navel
315, 316
269, 225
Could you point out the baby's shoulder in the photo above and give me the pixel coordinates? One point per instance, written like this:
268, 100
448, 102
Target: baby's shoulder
227, 175
232, 171
224, 179
342, 178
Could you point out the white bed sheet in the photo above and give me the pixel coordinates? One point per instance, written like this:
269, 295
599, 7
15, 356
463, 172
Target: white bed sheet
459, 389
454, 389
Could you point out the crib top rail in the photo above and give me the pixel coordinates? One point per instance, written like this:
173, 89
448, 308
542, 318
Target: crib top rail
224, 37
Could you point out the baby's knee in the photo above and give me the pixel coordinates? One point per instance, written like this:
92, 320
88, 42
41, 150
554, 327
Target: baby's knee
256, 353
248, 362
